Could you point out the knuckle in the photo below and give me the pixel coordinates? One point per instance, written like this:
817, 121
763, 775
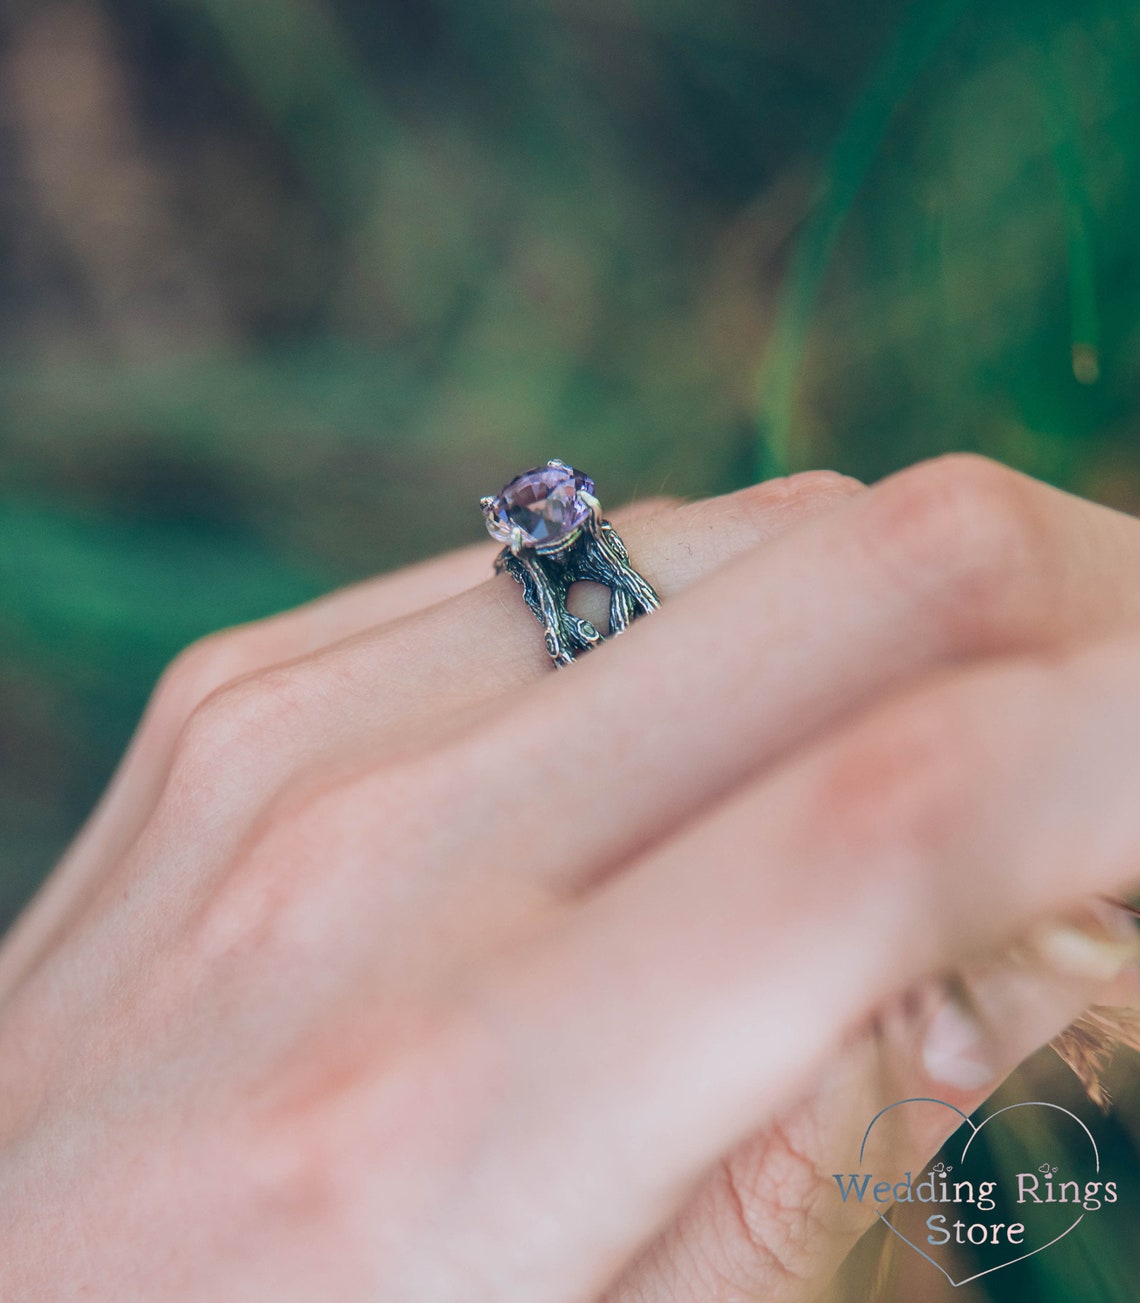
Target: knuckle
802, 492
249, 911
196, 672
726, 526
414, 1080
690, 538
236, 730
900, 796
293, 1180
251, 709
965, 532
261, 907
816, 484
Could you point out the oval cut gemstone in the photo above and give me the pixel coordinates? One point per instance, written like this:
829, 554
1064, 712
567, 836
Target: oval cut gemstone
543, 503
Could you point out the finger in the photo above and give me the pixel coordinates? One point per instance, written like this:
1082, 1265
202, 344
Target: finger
955, 559
687, 1002
448, 654
400, 668
344, 637
769, 1221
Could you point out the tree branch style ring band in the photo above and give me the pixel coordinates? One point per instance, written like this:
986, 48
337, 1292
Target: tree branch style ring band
555, 536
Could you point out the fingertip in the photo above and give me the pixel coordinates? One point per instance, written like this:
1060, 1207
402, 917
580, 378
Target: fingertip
986, 1021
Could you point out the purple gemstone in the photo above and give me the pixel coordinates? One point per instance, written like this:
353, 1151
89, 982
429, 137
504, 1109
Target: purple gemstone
543, 503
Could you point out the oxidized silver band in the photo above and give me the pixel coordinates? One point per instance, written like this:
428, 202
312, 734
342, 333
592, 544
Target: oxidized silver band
555, 536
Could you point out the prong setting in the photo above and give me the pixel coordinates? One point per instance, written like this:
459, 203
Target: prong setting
588, 500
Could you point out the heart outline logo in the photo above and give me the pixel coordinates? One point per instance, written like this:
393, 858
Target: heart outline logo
974, 1133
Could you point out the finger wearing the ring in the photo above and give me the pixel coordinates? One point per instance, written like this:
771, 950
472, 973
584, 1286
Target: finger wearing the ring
223, 657
465, 646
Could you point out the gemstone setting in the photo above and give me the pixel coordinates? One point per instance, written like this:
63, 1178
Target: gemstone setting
541, 508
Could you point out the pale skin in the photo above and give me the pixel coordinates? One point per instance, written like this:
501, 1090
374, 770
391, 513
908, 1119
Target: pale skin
395, 965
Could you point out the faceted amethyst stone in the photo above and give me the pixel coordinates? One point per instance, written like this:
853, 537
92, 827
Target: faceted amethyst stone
542, 503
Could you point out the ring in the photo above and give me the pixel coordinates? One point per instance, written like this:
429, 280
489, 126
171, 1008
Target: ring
555, 536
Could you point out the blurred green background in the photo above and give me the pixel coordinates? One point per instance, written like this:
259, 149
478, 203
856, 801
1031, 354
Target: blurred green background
286, 284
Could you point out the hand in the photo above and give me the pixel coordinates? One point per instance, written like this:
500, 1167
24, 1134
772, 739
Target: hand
396, 966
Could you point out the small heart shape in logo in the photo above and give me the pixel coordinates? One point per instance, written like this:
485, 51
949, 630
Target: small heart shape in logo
1032, 1222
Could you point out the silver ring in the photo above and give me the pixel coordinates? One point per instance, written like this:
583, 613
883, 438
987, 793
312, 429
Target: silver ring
555, 536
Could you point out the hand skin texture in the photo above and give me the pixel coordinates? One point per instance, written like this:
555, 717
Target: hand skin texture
395, 966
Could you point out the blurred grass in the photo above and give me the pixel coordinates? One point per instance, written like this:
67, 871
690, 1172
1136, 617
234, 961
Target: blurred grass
277, 273
922, 35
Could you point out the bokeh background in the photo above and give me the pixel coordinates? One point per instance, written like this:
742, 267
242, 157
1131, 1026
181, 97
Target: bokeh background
286, 284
